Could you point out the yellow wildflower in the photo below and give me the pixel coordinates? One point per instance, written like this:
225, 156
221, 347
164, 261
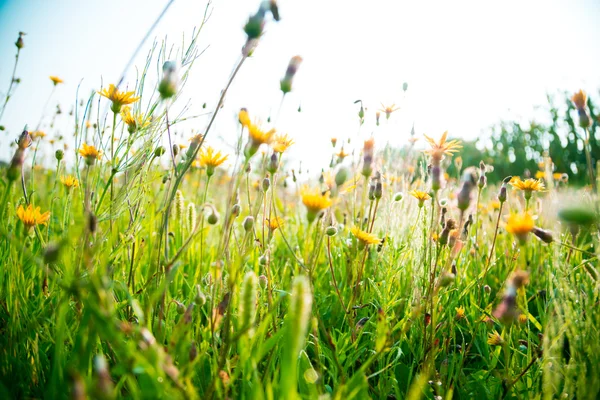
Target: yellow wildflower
69, 181
441, 147
522, 319
134, 122
421, 196
579, 99
55, 79
342, 154
37, 134
281, 143
32, 216
315, 201
244, 118
118, 98
211, 159
494, 339
363, 237
388, 110
528, 185
540, 175
460, 313
90, 153
274, 223
520, 225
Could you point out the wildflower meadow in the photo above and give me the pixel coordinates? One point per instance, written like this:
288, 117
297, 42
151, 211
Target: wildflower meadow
139, 264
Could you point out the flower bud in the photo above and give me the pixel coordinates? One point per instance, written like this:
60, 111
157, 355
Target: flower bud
59, 154
544, 235
213, 218
464, 195
585, 121
273, 164
446, 279
371, 192
180, 307
398, 196
235, 210
19, 43
248, 223
263, 282
331, 231
378, 190
341, 176
168, 85
200, 298
263, 260
159, 151
266, 184
286, 82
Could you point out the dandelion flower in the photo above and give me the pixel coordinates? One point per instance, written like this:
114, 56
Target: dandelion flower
211, 159
90, 153
388, 110
528, 186
281, 143
55, 79
363, 237
244, 118
441, 147
315, 202
460, 313
494, 339
134, 122
274, 223
118, 98
258, 136
421, 196
520, 225
69, 181
32, 216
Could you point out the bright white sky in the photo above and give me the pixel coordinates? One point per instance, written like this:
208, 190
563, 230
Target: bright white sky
468, 63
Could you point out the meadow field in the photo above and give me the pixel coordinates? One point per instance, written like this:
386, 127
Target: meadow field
134, 264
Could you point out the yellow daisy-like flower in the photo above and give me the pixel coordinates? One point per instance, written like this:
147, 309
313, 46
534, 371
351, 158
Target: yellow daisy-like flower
460, 313
90, 153
244, 118
494, 339
134, 122
495, 205
528, 185
579, 99
420, 195
388, 110
258, 136
281, 143
118, 98
363, 237
211, 159
37, 134
522, 319
32, 216
540, 175
55, 79
69, 181
274, 223
442, 147
557, 176
315, 201
342, 154
520, 225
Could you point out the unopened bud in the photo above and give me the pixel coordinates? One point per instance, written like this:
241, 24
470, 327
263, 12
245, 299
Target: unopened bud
341, 176
266, 184
213, 218
331, 231
248, 223
378, 190
398, 196
200, 297
159, 151
263, 282
235, 210
59, 154
168, 85
286, 82
544, 235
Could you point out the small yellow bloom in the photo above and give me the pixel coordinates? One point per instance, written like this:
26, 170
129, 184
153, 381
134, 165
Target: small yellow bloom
37, 134
363, 237
528, 185
460, 313
274, 223
211, 159
388, 110
32, 217
90, 153
118, 98
520, 225
495, 205
281, 143
134, 122
579, 99
259, 136
315, 201
55, 79
420, 195
342, 154
69, 181
244, 118
442, 147
522, 319
540, 175
494, 339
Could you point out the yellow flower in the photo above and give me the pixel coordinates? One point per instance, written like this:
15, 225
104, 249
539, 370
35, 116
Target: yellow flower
315, 201
495, 205
528, 185
363, 237
520, 225
442, 147
244, 118
55, 79
134, 122
258, 136
69, 181
420, 195
460, 313
281, 143
37, 134
579, 99
342, 154
32, 217
211, 159
522, 319
90, 153
118, 98
540, 175
494, 339
388, 110
274, 223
